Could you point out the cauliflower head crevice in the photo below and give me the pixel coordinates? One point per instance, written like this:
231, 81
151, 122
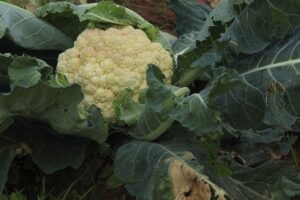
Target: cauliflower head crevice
105, 62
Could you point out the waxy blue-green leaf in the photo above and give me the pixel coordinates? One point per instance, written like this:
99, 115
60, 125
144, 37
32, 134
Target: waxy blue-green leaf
199, 47
33, 97
25, 71
263, 22
197, 111
65, 16
103, 15
190, 15
127, 110
270, 90
150, 171
160, 101
28, 31
160, 96
163, 172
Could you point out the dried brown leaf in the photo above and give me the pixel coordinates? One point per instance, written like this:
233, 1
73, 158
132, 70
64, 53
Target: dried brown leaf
188, 184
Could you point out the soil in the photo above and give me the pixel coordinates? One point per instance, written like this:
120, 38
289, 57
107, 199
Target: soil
155, 11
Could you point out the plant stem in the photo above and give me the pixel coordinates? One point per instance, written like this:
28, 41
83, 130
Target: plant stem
294, 155
189, 77
182, 92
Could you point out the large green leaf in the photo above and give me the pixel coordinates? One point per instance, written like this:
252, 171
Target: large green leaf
211, 24
25, 71
28, 31
48, 149
163, 171
65, 16
37, 99
41, 115
262, 23
199, 48
160, 100
269, 94
197, 111
150, 171
259, 182
104, 14
190, 15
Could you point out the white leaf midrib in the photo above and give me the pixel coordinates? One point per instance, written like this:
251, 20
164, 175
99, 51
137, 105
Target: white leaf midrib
272, 66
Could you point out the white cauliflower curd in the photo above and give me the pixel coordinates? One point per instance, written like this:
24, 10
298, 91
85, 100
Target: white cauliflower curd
105, 62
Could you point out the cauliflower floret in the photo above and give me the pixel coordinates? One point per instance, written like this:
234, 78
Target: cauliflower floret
105, 62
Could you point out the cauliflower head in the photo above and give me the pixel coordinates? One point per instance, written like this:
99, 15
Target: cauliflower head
105, 62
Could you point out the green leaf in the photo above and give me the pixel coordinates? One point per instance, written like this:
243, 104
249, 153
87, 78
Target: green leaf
150, 124
163, 171
262, 23
161, 97
28, 31
270, 90
106, 12
197, 111
291, 187
126, 109
199, 48
48, 149
103, 15
256, 147
6, 157
2, 29
149, 172
65, 16
160, 101
25, 71
190, 15
58, 106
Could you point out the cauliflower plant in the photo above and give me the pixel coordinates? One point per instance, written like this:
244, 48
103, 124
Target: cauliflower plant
105, 62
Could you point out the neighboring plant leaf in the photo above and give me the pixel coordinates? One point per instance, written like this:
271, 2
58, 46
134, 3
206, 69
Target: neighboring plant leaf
28, 31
